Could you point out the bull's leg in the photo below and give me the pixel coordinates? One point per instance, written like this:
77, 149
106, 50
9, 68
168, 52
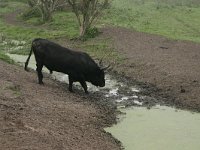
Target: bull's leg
84, 85
70, 83
39, 72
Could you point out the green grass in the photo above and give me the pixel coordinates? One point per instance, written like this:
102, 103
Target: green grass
24, 51
99, 49
6, 7
23, 33
6, 58
27, 33
175, 19
64, 24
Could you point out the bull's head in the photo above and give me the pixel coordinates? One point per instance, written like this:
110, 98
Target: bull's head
98, 79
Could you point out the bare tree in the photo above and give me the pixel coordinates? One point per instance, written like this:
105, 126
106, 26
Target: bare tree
86, 12
46, 7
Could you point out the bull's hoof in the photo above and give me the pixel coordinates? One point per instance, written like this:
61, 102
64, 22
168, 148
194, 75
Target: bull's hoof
86, 92
71, 90
41, 83
26, 69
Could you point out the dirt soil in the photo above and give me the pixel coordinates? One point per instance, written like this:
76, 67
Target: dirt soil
171, 65
49, 117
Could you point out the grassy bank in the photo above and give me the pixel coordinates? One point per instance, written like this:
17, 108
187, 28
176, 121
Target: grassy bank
6, 58
15, 38
175, 19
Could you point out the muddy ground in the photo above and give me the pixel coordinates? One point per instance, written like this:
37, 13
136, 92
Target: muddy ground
49, 117
170, 65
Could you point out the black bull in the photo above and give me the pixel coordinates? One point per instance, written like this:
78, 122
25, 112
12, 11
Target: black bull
78, 65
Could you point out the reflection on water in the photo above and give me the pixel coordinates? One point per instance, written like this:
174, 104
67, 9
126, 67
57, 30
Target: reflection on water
160, 128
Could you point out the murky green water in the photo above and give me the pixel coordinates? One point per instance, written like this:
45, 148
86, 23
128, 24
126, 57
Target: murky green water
160, 128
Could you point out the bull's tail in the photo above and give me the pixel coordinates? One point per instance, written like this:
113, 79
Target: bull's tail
27, 61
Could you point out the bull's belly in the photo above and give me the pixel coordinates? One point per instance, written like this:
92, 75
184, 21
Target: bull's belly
75, 75
58, 69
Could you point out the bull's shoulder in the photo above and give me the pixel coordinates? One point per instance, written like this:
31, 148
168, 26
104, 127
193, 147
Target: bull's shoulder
83, 54
37, 41
44, 43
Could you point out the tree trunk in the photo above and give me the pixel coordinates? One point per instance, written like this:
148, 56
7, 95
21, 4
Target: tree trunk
86, 11
46, 15
85, 24
82, 30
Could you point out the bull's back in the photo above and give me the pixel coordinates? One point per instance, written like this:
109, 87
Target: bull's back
61, 59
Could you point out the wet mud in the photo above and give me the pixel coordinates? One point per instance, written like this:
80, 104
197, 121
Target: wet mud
119, 91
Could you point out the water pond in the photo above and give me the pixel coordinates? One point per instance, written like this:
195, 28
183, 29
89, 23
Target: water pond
158, 128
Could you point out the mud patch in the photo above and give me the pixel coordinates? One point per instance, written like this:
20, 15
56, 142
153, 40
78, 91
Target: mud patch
119, 91
9, 89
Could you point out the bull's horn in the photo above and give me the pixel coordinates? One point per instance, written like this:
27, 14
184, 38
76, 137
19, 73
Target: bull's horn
100, 62
105, 68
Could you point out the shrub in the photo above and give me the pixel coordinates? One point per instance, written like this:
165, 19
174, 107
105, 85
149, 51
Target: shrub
3, 5
91, 33
30, 13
